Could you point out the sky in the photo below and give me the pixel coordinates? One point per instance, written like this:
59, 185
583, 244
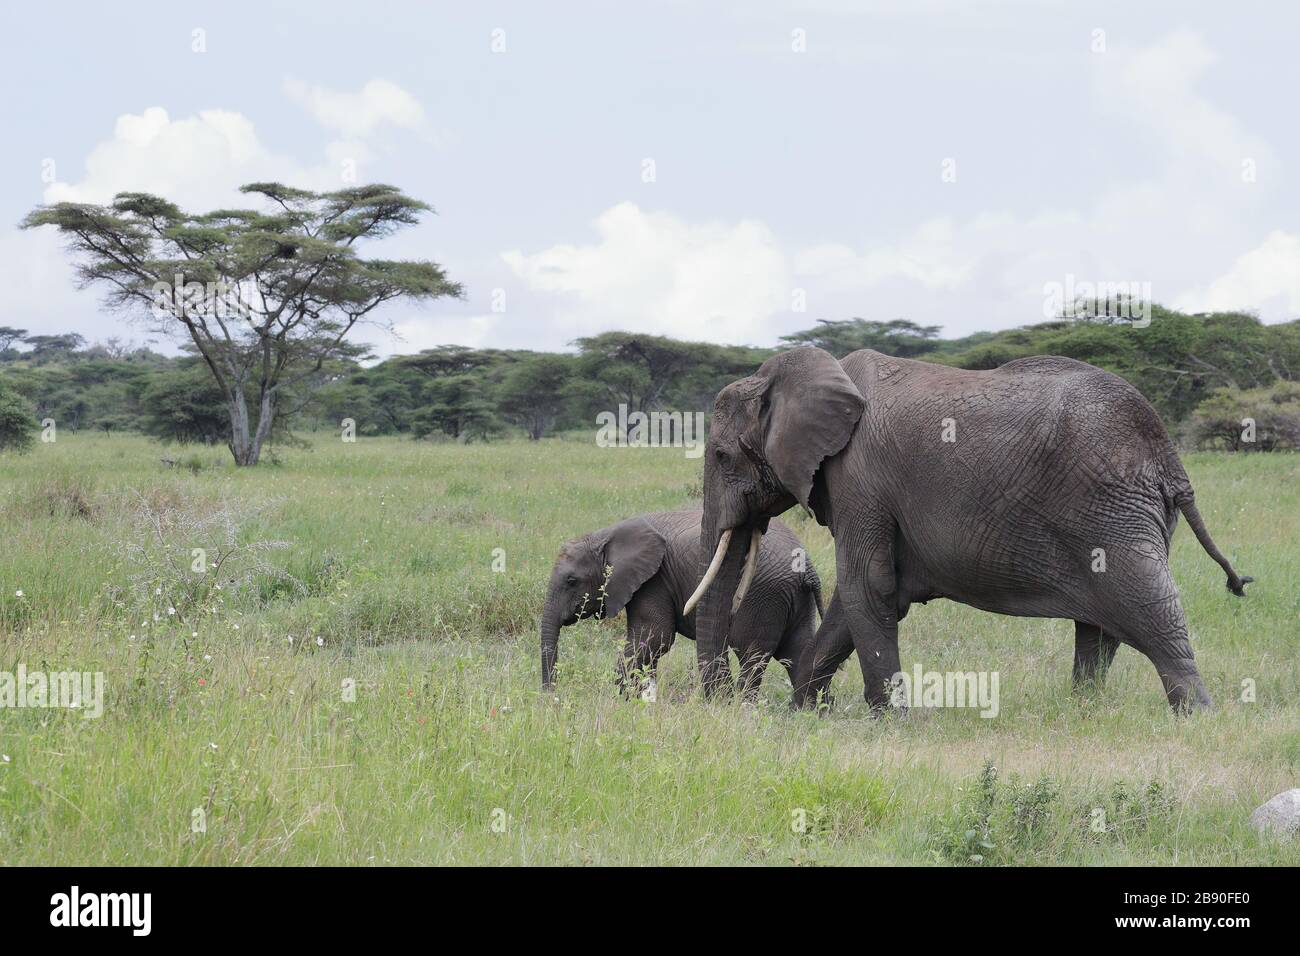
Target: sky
727, 172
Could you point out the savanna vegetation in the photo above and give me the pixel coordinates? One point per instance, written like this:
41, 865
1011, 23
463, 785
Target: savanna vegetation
332, 658
1205, 374
353, 678
264, 297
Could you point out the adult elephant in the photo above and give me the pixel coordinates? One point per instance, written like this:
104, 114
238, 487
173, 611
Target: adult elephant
1044, 488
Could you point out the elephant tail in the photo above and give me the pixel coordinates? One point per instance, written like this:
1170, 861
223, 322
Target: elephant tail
1187, 505
815, 585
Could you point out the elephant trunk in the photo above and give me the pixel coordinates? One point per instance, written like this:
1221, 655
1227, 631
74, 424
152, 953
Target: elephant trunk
550, 635
713, 618
724, 544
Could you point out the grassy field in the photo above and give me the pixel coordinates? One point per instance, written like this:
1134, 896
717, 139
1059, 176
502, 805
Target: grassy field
363, 687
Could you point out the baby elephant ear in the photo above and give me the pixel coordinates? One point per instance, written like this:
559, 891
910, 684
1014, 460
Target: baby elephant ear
634, 550
812, 407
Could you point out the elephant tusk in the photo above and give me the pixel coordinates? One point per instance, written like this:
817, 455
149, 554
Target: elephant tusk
710, 574
747, 577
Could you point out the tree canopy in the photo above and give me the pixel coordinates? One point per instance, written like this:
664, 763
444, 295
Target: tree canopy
1222, 363
264, 297
898, 337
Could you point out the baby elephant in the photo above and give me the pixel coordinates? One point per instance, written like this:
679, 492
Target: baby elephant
651, 564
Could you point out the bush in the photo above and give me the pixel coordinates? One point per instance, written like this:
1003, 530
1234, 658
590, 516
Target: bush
828, 803
17, 425
185, 406
999, 823
66, 496
188, 558
1257, 419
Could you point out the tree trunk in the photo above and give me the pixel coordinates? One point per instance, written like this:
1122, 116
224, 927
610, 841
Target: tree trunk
265, 418
246, 448
239, 441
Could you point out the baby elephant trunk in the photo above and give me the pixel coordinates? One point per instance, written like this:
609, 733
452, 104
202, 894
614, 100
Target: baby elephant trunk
550, 635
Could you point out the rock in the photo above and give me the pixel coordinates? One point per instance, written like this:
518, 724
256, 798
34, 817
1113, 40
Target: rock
1280, 817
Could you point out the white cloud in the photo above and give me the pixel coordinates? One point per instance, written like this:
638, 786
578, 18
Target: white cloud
199, 160
714, 281
378, 103
1266, 279
417, 334
1169, 229
38, 281
1156, 88
928, 257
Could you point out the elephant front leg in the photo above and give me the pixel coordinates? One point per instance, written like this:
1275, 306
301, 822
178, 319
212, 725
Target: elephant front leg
866, 583
1093, 652
752, 667
650, 634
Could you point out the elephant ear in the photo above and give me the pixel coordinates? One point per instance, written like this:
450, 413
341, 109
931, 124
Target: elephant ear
811, 408
634, 550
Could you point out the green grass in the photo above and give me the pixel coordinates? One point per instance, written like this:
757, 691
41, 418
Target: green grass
450, 754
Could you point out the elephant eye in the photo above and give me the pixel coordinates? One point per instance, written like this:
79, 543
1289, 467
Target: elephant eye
572, 580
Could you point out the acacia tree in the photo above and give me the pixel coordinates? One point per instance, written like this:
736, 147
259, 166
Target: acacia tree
636, 370
9, 335
535, 392
897, 337
266, 298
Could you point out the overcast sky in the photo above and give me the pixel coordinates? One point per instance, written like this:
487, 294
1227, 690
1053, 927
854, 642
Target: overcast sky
690, 169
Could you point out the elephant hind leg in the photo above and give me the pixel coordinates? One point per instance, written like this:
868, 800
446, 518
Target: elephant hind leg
822, 657
1154, 624
1176, 665
1093, 652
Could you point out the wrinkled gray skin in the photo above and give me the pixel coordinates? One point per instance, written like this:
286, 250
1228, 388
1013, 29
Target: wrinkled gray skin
655, 566
1051, 460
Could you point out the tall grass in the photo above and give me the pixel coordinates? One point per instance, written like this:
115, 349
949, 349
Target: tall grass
369, 692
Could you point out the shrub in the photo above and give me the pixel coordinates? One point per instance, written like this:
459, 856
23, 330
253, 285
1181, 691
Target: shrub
828, 803
17, 424
187, 558
1014, 822
67, 496
185, 406
1256, 419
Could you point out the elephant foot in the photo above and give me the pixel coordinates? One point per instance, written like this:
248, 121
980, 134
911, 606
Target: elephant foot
716, 684
823, 705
